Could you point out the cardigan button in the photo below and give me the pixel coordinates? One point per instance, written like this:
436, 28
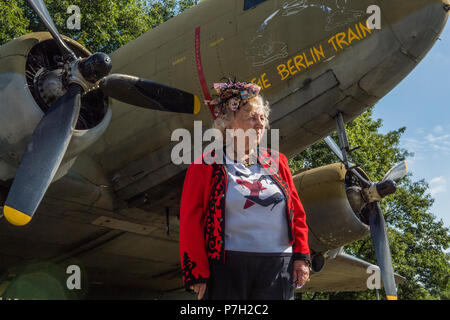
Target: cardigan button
223, 195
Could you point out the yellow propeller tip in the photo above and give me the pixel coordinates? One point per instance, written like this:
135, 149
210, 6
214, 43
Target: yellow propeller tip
16, 217
391, 297
197, 105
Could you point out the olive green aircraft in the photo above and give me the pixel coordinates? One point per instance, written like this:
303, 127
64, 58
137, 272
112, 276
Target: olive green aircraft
87, 183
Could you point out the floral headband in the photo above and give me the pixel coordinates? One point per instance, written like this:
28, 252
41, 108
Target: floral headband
230, 95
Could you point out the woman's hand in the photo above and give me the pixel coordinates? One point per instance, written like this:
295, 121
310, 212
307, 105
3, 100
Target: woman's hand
199, 288
300, 273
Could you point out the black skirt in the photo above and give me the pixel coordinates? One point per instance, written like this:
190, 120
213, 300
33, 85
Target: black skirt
251, 276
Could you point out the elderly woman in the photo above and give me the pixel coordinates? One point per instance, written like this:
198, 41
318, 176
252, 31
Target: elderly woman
243, 233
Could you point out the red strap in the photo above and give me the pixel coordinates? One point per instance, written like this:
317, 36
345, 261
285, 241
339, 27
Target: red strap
201, 75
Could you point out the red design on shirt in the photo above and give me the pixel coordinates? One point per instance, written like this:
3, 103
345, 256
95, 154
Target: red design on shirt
255, 188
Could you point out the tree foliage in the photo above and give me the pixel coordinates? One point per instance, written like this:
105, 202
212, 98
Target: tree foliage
105, 24
418, 241
13, 22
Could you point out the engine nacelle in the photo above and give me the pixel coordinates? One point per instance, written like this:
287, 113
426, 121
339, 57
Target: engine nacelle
331, 220
29, 79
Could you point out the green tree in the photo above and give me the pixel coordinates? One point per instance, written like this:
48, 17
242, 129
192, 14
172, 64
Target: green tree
418, 241
13, 22
105, 24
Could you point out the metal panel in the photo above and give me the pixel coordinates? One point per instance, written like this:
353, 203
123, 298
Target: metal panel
117, 224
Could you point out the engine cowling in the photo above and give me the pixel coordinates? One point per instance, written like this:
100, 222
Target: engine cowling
333, 208
30, 82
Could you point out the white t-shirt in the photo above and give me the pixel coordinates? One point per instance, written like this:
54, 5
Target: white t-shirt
255, 211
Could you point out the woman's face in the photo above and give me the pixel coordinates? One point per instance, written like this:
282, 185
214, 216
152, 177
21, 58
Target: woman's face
249, 116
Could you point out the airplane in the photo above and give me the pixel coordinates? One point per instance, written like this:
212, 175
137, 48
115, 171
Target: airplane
86, 177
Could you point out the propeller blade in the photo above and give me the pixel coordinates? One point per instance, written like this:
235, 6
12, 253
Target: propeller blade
334, 147
397, 172
41, 10
382, 251
148, 94
42, 157
338, 152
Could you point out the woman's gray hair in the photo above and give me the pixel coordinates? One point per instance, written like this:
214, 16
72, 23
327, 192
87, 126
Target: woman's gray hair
224, 119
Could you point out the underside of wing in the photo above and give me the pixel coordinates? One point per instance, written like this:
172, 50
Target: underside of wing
343, 273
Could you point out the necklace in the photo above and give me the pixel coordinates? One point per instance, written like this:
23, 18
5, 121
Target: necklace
247, 162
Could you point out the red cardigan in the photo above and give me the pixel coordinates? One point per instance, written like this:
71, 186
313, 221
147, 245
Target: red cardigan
202, 213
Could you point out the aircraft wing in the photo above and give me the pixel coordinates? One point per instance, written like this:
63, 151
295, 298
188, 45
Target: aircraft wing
343, 273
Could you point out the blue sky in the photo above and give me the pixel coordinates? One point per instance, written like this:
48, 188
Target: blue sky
421, 103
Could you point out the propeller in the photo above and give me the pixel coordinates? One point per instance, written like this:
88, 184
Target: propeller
42, 12
42, 158
148, 94
382, 252
397, 172
373, 193
50, 139
337, 151
136, 91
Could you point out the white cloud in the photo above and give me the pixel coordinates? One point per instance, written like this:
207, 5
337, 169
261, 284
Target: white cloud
420, 131
438, 129
418, 147
438, 185
431, 138
435, 142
